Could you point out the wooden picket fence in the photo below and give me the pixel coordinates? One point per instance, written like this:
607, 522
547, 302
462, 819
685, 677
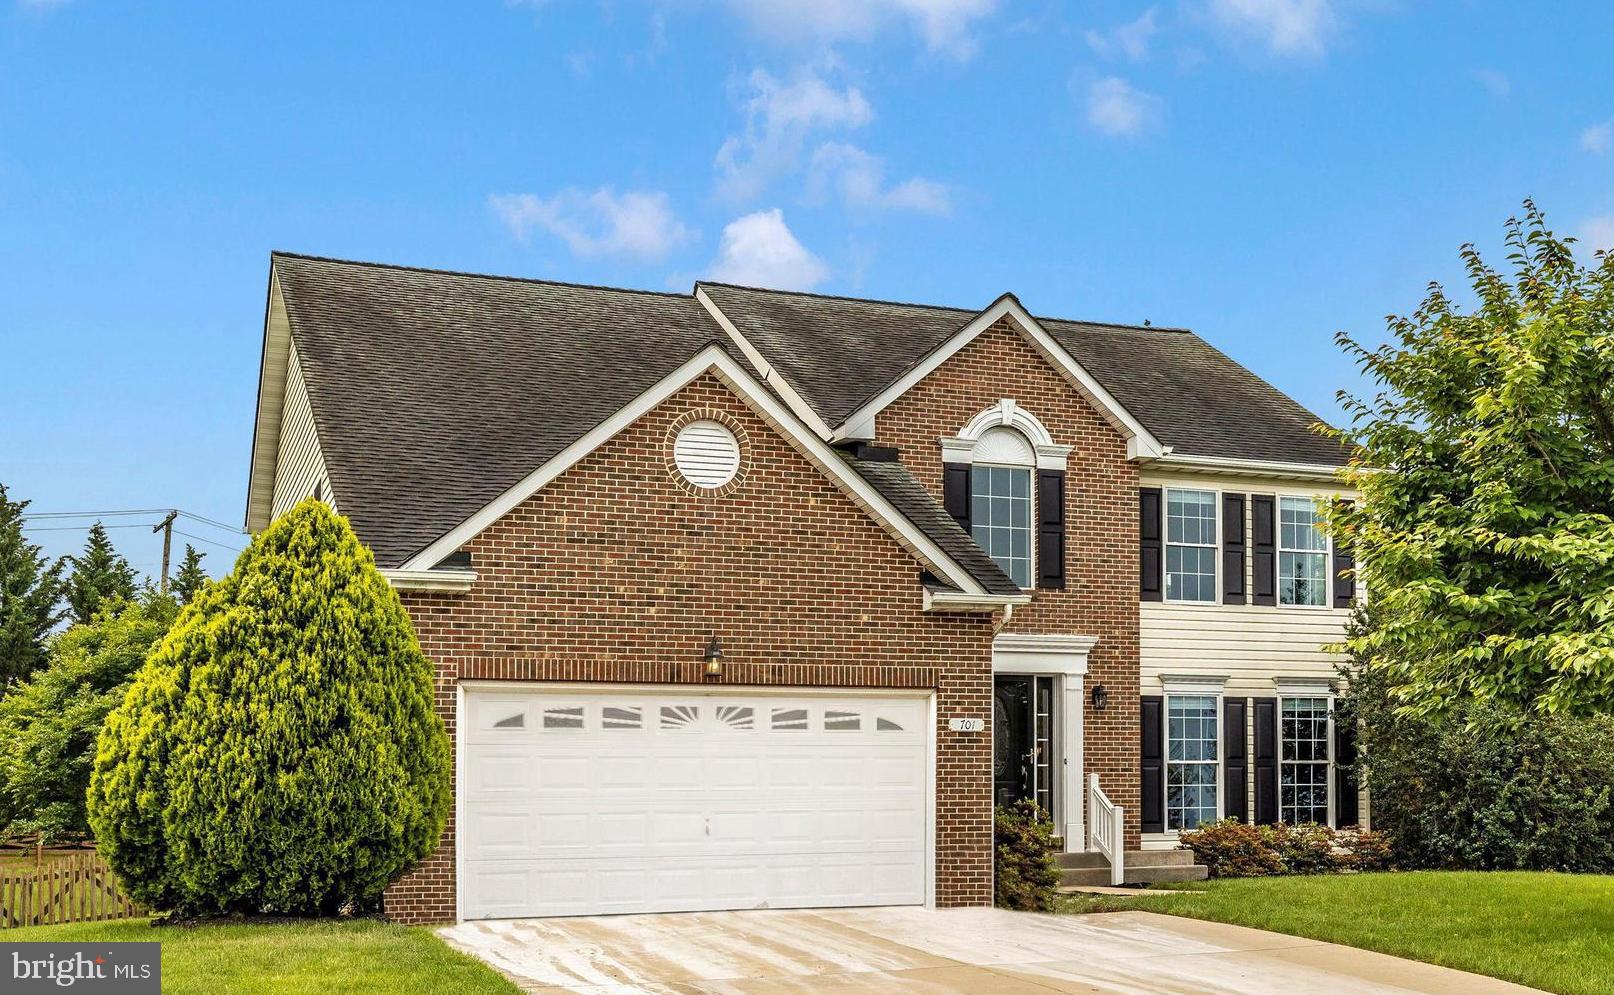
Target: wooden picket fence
48, 888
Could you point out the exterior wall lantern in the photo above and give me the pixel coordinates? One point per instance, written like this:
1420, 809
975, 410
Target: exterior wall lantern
714, 657
1101, 697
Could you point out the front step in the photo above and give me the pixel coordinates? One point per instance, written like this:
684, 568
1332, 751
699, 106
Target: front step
1142, 867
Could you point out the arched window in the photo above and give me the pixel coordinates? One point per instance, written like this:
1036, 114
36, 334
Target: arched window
1002, 470
993, 468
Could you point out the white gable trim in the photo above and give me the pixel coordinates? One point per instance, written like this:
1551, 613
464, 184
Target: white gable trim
273, 370
770, 376
443, 581
769, 408
1006, 414
1140, 444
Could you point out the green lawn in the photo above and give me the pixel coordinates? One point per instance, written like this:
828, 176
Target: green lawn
1550, 931
361, 957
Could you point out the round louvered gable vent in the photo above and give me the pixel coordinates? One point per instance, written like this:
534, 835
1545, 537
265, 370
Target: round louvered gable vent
707, 454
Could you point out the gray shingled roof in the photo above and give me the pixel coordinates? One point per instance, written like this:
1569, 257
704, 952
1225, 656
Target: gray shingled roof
910, 497
435, 392
838, 353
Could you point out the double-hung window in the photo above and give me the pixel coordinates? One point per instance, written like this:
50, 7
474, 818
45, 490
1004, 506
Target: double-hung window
1302, 553
1193, 760
1190, 545
1000, 517
1304, 760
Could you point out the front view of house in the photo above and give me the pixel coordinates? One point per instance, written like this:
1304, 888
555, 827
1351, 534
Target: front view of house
752, 599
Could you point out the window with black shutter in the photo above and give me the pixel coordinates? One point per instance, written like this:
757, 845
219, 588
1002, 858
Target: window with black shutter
1233, 549
1236, 765
956, 492
1150, 576
1263, 549
1266, 760
1152, 807
1051, 529
1344, 574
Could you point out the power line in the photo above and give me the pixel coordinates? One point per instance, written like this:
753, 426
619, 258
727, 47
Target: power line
80, 528
208, 521
198, 538
213, 522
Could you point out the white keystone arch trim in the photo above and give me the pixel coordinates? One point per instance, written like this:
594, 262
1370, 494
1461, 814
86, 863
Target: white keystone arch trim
1006, 414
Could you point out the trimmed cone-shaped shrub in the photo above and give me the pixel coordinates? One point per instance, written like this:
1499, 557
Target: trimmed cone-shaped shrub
279, 751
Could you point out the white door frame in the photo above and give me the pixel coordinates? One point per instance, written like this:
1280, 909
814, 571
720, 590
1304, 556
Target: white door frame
1064, 658
708, 690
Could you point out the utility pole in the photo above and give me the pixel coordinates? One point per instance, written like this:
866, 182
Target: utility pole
166, 527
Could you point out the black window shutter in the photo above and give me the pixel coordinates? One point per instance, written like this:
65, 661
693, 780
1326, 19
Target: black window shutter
956, 492
1347, 809
1264, 549
1152, 809
1344, 575
1233, 549
1051, 529
1236, 773
1266, 760
1150, 578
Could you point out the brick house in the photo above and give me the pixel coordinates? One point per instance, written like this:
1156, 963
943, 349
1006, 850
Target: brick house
744, 598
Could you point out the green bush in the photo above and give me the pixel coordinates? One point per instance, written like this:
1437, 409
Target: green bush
1307, 848
279, 751
1026, 872
49, 723
1485, 786
1232, 849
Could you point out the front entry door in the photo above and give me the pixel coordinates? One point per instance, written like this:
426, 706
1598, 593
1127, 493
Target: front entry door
1013, 744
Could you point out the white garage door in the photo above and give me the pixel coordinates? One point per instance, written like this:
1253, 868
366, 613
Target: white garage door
650, 801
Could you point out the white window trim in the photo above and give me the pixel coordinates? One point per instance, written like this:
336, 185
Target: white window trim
1301, 688
1191, 686
1166, 544
1006, 414
1279, 549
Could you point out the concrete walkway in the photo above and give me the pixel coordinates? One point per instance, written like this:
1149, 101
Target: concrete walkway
933, 951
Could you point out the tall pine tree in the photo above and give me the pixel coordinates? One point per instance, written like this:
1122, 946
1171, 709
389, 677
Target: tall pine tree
30, 590
191, 577
98, 573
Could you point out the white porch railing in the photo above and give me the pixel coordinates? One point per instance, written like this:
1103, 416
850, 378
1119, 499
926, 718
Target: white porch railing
1106, 823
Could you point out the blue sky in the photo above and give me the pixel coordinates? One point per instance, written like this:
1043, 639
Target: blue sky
1264, 171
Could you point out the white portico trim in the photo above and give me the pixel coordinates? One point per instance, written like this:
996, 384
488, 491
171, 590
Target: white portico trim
1064, 658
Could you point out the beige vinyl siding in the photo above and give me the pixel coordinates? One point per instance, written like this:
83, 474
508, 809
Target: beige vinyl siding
1248, 644
301, 465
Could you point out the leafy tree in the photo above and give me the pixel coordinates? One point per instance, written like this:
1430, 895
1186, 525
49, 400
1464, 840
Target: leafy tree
1486, 467
279, 752
49, 724
30, 590
98, 573
191, 577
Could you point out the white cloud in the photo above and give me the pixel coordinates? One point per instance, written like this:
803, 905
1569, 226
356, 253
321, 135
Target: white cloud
1495, 81
1287, 27
637, 223
1116, 107
859, 177
779, 119
944, 24
758, 250
1598, 232
1129, 41
1598, 138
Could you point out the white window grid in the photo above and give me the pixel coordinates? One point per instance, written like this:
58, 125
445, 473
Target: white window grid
1192, 545
1302, 553
1193, 760
1000, 517
1305, 759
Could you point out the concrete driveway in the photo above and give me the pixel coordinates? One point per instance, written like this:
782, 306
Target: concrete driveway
937, 951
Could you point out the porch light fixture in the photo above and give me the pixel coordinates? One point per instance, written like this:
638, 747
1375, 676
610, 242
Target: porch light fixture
1101, 697
714, 657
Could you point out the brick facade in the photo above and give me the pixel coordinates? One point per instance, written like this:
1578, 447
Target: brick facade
1101, 560
617, 571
